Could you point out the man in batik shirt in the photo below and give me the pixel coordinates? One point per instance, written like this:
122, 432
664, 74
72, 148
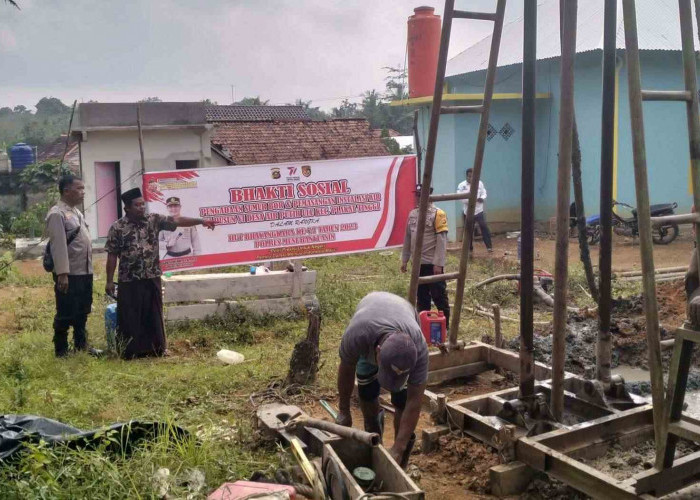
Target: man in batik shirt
133, 241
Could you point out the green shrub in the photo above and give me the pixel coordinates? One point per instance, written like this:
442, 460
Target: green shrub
31, 222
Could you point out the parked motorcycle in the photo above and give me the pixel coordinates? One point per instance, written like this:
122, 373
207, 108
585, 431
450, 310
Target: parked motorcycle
628, 226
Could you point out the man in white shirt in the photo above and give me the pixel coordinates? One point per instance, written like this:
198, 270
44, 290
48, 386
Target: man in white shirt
479, 215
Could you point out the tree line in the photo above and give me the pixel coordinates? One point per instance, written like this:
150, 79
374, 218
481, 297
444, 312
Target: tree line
50, 120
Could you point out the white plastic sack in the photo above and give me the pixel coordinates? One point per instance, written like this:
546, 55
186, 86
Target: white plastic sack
230, 357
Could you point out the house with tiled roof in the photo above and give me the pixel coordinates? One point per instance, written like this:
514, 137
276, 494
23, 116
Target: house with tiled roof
277, 141
55, 150
184, 135
236, 113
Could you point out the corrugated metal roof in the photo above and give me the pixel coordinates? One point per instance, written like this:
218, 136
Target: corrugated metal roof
657, 25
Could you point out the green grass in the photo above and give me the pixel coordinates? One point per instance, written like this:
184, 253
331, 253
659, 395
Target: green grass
190, 389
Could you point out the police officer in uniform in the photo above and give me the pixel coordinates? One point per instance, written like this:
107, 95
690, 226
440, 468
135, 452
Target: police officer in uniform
433, 255
183, 241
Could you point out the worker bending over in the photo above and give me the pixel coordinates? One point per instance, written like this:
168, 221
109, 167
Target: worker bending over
384, 347
433, 255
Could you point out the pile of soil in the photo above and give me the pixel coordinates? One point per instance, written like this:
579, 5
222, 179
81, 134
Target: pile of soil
672, 303
460, 459
543, 486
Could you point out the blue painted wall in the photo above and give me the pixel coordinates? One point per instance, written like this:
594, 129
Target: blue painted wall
666, 138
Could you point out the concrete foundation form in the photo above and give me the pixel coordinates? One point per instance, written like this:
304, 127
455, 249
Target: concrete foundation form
527, 436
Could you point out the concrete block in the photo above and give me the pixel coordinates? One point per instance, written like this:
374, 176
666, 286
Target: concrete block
510, 479
227, 286
29, 248
210, 307
431, 437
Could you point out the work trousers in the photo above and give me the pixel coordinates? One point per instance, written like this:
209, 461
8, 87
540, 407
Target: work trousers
435, 291
72, 309
480, 220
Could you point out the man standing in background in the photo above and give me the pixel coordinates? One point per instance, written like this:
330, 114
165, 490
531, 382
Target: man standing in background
71, 250
433, 255
479, 214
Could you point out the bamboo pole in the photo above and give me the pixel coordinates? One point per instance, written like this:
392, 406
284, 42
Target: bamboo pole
665, 270
665, 447
498, 333
70, 128
416, 141
476, 172
644, 219
561, 264
430, 158
138, 124
604, 340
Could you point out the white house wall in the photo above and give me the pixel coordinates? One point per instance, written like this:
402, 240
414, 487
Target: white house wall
161, 149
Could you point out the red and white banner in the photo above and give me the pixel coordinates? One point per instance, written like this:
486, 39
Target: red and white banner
283, 211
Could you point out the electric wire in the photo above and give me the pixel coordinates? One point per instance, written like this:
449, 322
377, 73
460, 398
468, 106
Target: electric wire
43, 239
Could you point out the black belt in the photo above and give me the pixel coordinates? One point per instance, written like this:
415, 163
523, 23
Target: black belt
179, 254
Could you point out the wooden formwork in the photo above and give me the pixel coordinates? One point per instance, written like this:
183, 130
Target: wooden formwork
559, 454
558, 449
338, 456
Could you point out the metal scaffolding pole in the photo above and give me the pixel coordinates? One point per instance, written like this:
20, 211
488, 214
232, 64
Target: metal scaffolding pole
607, 152
561, 260
527, 196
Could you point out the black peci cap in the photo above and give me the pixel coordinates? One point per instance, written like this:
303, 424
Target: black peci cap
131, 195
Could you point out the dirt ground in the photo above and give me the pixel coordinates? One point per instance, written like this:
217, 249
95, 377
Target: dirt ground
625, 251
459, 468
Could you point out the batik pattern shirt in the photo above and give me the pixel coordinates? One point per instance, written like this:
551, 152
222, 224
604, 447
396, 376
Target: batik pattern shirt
135, 243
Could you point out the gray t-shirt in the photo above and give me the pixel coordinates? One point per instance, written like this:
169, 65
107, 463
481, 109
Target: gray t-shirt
379, 313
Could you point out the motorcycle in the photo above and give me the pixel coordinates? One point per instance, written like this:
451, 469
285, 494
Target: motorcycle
628, 226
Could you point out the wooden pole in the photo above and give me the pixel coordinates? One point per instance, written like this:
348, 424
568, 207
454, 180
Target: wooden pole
70, 128
476, 172
665, 447
604, 341
297, 279
641, 183
416, 142
430, 153
561, 263
138, 124
527, 211
498, 339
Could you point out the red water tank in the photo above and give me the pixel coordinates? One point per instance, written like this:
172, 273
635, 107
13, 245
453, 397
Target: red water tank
423, 47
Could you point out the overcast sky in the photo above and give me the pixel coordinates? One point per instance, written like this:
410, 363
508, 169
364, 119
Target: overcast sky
186, 50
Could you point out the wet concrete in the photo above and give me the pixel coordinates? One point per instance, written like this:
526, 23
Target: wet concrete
637, 380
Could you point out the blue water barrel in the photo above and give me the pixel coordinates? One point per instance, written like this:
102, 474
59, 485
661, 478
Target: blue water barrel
111, 324
21, 155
